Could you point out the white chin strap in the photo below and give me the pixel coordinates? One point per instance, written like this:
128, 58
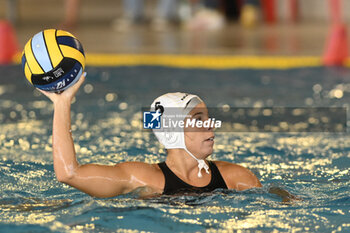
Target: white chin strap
201, 164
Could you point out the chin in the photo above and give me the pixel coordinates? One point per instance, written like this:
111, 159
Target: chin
208, 152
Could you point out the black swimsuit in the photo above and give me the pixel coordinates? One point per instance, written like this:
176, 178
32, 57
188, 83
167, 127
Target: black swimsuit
174, 184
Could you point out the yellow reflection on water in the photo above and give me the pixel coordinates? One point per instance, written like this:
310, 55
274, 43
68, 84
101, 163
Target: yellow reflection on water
32, 218
39, 104
263, 218
29, 127
39, 218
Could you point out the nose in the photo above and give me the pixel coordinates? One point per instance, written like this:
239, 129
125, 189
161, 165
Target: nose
209, 127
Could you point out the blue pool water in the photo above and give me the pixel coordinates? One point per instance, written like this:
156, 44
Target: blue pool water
106, 113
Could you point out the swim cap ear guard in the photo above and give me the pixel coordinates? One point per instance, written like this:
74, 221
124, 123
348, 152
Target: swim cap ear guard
176, 106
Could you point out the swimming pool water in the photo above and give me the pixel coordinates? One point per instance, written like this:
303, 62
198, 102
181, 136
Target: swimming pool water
312, 166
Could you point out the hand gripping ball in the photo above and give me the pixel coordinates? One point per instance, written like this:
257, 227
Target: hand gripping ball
53, 60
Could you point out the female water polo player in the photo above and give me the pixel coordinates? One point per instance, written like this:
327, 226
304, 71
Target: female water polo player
185, 169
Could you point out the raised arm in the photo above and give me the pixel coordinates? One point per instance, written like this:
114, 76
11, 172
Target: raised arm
95, 180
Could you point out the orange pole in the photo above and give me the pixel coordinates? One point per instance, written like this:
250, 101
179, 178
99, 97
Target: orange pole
294, 13
269, 10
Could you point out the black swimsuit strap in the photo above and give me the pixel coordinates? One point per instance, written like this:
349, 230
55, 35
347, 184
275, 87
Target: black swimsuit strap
174, 184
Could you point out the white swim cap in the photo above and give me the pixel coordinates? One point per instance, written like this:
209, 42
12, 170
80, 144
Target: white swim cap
176, 106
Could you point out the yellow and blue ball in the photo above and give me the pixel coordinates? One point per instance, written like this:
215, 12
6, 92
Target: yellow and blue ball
53, 60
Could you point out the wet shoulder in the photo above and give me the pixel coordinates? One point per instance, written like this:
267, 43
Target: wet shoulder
236, 176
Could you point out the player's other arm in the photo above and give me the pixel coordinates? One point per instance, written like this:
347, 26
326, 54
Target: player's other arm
238, 177
241, 178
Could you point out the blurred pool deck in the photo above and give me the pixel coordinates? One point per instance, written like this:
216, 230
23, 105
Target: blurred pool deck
305, 38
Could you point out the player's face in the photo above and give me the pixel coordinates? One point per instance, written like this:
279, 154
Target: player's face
199, 140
